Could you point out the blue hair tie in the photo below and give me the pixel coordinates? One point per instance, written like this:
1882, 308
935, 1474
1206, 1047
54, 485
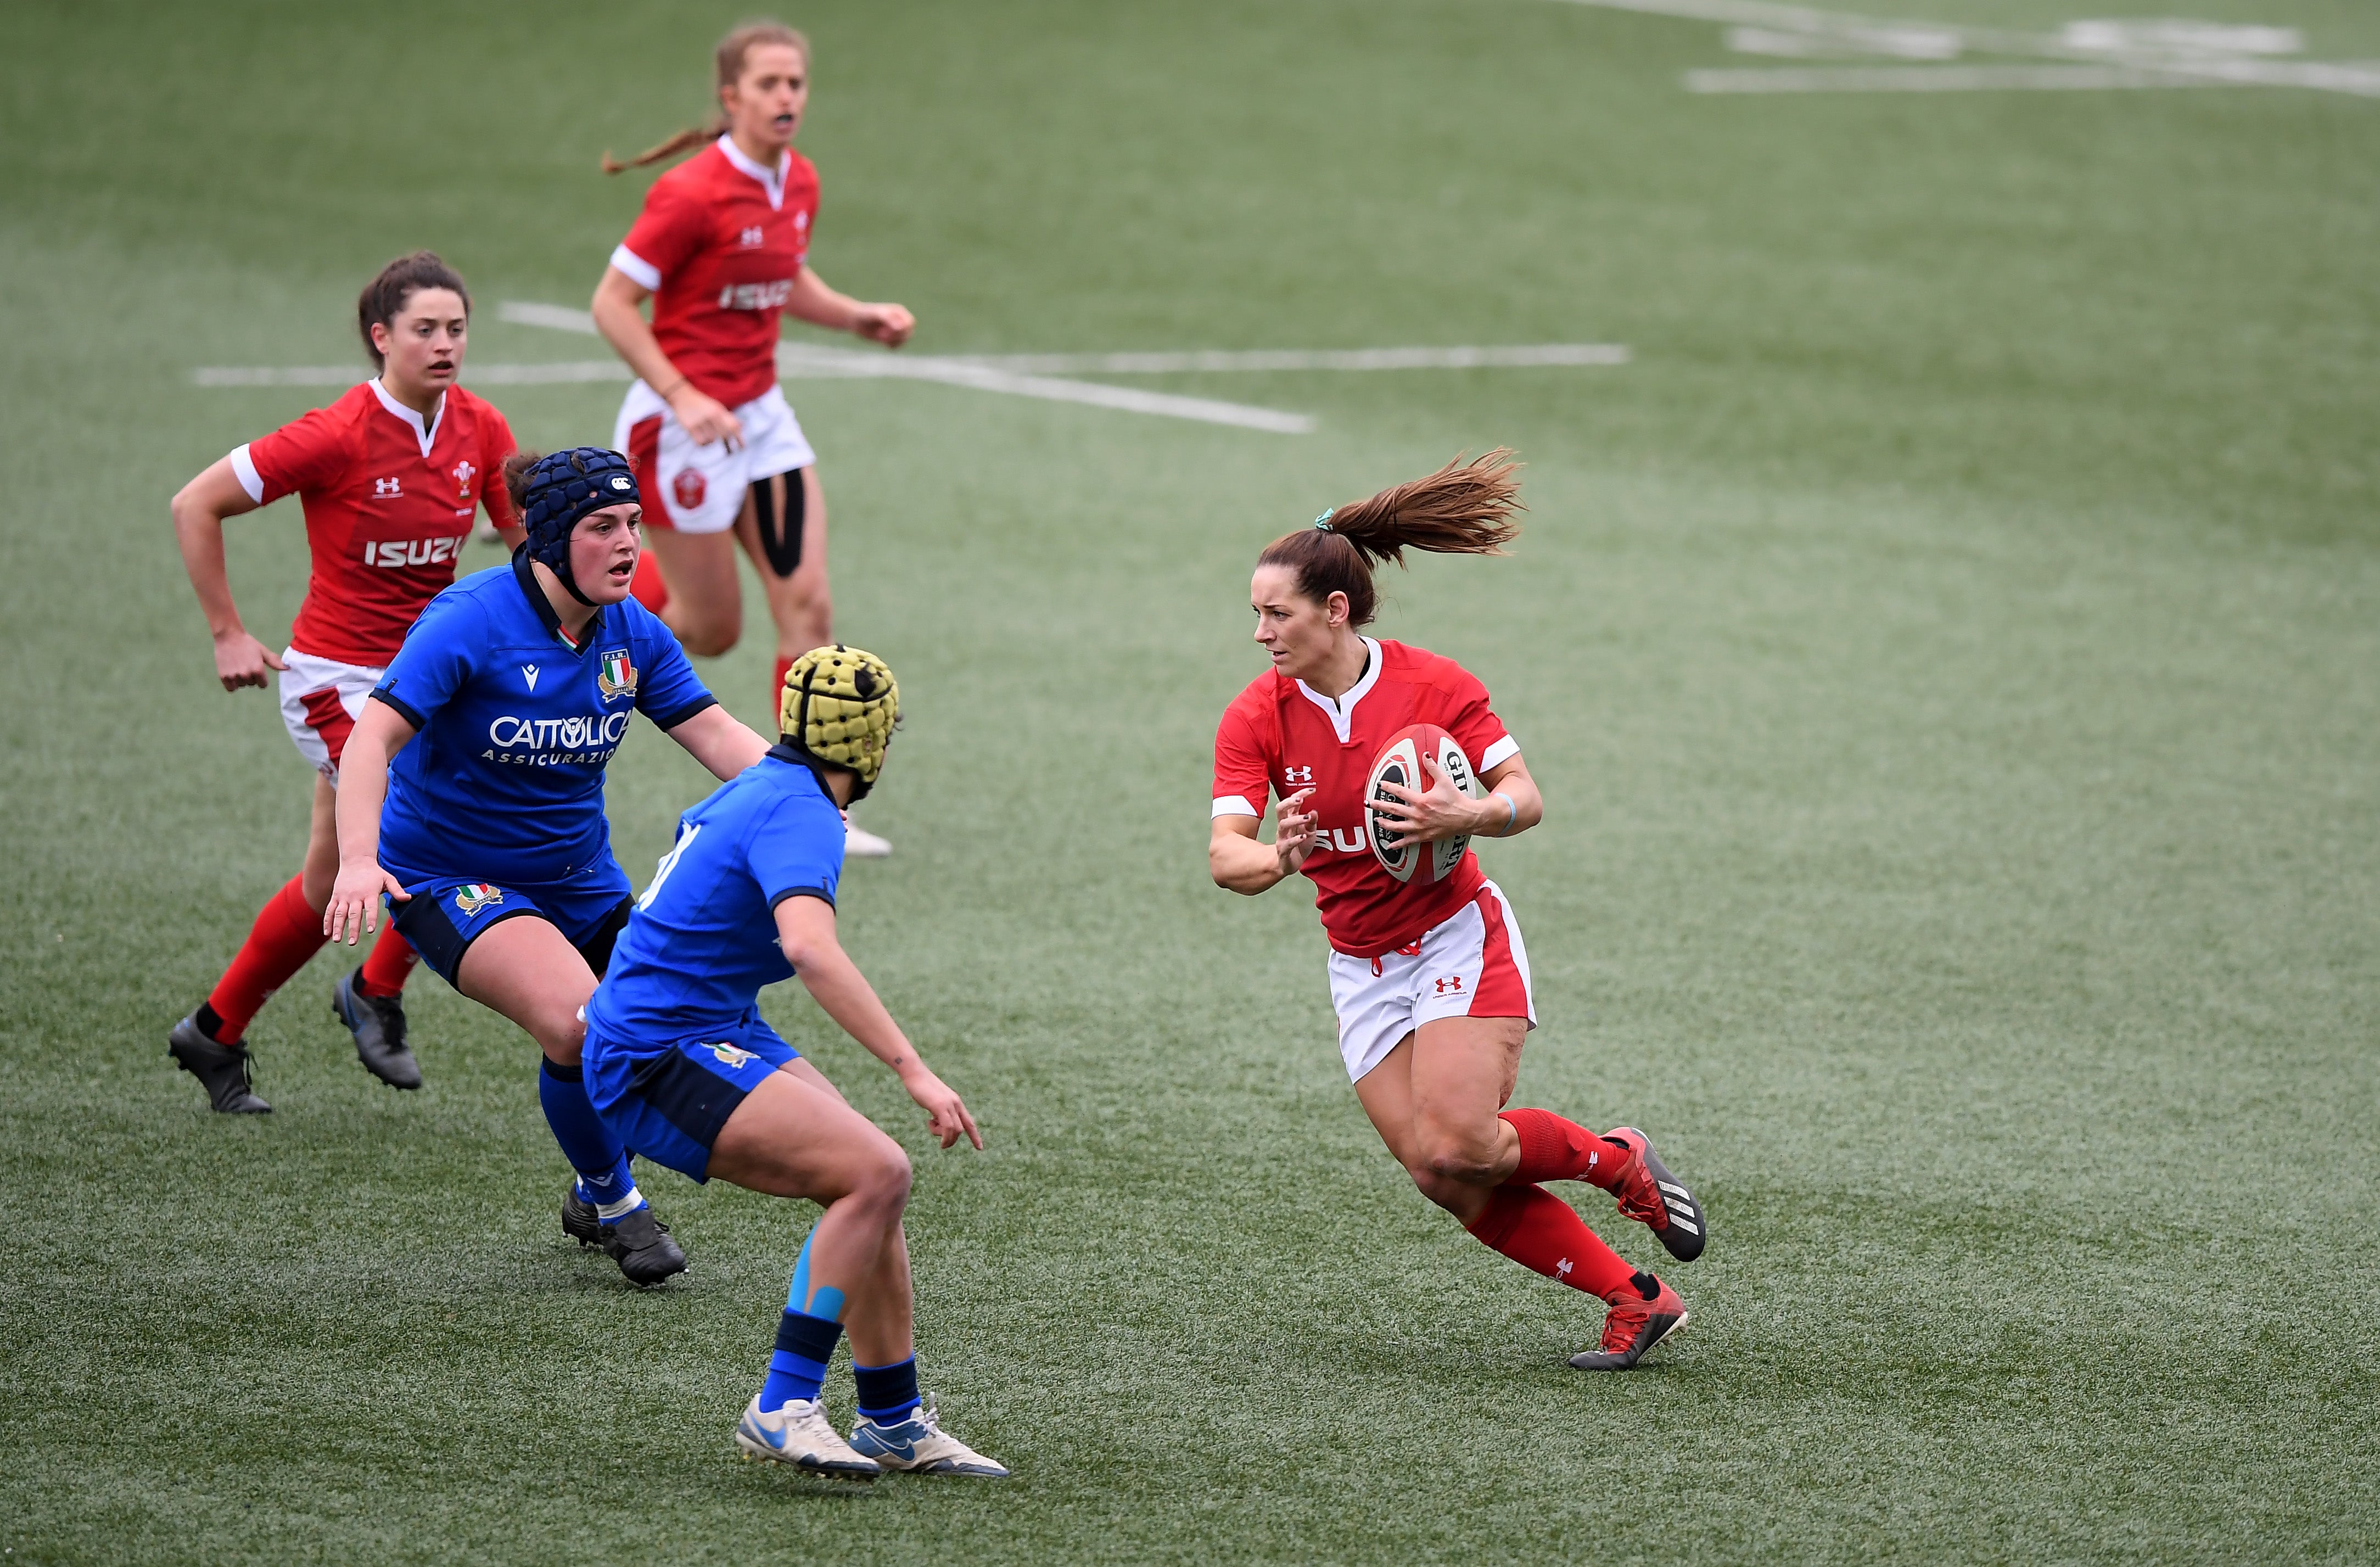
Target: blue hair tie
1323, 522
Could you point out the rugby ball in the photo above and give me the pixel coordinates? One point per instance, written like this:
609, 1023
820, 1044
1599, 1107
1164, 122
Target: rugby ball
1400, 763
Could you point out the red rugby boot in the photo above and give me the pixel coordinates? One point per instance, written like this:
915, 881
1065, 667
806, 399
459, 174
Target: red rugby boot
1643, 1313
1648, 1193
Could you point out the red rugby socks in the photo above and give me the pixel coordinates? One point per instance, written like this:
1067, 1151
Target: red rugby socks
288, 931
1556, 1149
391, 961
777, 688
647, 586
1546, 1235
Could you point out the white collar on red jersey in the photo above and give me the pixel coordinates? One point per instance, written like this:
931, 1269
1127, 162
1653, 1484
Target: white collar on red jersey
1343, 708
771, 180
425, 433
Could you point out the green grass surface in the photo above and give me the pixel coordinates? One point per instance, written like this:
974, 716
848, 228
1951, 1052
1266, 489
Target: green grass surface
1949, 652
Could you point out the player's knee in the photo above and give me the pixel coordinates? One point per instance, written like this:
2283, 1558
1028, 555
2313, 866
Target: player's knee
562, 1037
1443, 1190
707, 637
885, 1175
807, 609
1451, 1157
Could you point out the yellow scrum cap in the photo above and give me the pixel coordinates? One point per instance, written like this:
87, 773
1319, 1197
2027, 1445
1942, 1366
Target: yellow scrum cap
840, 704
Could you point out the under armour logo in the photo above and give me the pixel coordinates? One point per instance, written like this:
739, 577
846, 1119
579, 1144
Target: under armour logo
1298, 775
1561, 1269
1450, 985
383, 488
752, 239
529, 672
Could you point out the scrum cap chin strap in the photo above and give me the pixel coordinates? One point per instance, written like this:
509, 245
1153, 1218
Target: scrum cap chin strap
561, 488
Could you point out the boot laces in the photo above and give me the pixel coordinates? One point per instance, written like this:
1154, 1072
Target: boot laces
1621, 1325
1638, 1195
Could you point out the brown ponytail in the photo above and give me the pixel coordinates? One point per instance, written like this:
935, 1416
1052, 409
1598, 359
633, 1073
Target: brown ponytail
1465, 508
728, 61
515, 472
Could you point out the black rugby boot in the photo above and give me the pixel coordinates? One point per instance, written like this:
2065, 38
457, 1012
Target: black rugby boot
222, 1069
640, 1243
378, 1023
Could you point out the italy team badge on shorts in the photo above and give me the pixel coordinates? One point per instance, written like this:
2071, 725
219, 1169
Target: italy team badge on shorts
471, 900
615, 676
727, 1054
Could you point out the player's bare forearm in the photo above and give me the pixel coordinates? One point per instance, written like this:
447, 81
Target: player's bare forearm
813, 301
199, 509
378, 735
805, 931
719, 741
1239, 862
1509, 780
353, 911
623, 324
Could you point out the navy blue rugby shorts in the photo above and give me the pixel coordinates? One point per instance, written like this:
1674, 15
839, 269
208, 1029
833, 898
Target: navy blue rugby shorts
446, 913
668, 1101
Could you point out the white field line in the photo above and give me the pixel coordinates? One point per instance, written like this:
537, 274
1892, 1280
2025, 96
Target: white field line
1937, 79
809, 361
1021, 375
801, 360
1904, 37
1229, 359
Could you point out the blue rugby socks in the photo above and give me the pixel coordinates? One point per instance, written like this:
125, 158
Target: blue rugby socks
805, 1343
887, 1393
586, 1143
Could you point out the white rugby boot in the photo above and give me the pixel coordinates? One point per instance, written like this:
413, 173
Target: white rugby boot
801, 1435
920, 1446
860, 843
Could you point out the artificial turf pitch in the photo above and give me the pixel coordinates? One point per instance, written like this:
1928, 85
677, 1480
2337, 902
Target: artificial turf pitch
1948, 651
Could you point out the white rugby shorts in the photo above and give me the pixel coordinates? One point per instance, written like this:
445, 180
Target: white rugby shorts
1472, 964
321, 699
700, 489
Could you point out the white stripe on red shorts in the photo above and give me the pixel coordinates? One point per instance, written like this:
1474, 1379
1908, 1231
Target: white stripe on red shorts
1473, 963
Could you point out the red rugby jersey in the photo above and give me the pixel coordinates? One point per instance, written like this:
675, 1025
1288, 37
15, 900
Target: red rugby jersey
719, 243
1280, 735
389, 503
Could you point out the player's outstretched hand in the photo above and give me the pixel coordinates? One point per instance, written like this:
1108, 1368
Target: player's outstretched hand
705, 417
946, 1117
1432, 815
241, 660
888, 324
1293, 832
354, 909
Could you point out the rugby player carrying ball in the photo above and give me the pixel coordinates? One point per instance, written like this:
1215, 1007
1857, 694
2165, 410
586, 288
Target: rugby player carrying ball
390, 475
1431, 980
722, 250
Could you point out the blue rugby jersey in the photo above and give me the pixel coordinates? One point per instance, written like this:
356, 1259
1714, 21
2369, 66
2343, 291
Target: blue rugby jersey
504, 780
703, 939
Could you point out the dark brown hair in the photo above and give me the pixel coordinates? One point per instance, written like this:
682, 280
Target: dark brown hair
728, 61
1465, 508
383, 297
516, 472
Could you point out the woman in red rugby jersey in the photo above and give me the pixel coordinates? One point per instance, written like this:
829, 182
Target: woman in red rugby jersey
721, 249
390, 475
1431, 979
